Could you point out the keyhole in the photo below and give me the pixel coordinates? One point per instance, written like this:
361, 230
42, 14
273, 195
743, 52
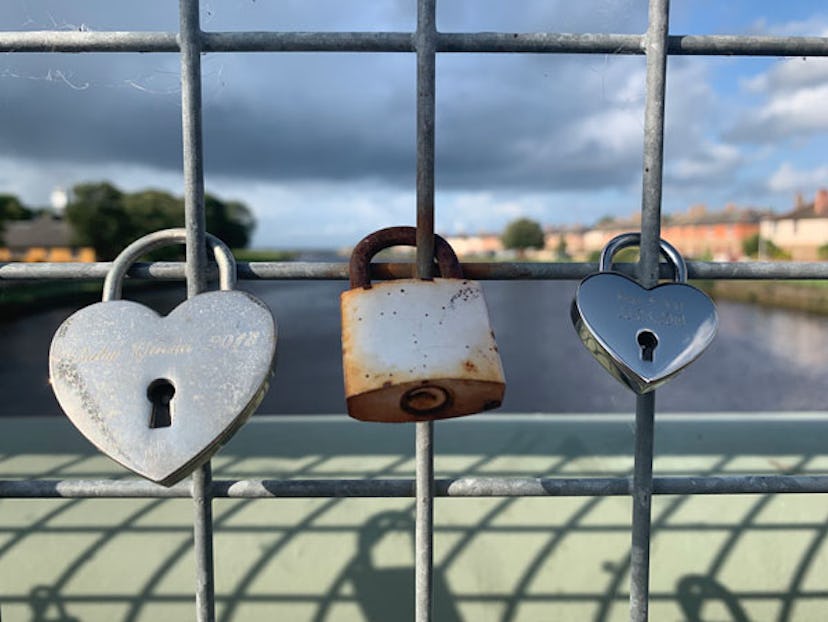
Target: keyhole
647, 341
160, 393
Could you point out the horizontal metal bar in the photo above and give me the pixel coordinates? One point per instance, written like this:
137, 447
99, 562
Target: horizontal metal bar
492, 42
456, 487
76, 41
308, 42
493, 271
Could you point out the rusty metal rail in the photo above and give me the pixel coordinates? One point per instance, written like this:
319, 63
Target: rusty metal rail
191, 42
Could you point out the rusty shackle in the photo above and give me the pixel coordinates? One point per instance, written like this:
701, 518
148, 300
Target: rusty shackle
373, 243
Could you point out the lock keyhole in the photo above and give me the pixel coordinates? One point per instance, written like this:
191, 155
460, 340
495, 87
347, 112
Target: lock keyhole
647, 341
160, 393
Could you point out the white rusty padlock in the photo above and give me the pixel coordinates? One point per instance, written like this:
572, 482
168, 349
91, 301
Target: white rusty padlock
416, 349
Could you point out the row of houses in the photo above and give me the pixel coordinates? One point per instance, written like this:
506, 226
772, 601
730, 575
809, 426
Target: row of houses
47, 237
699, 233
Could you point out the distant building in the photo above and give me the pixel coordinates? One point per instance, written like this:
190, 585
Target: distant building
573, 239
483, 244
801, 231
45, 238
596, 238
697, 233
700, 233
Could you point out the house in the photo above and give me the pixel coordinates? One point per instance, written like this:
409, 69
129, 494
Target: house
801, 231
44, 238
719, 235
697, 233
571, 236
483, 244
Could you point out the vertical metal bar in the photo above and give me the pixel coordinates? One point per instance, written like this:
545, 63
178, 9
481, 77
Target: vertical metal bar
203, 543
642, 507
426, 45
193, 163
656, 50
194, 219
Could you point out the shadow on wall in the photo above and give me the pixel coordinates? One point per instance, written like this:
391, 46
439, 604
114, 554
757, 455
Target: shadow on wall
575, 567
722, 558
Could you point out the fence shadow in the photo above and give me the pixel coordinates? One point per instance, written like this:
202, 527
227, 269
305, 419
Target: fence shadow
506, 559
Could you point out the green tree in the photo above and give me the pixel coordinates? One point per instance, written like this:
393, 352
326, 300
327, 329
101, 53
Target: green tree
107, 219
11, 208
560, 249
151, 210
521, 234
230, 221
752, 245
98, 218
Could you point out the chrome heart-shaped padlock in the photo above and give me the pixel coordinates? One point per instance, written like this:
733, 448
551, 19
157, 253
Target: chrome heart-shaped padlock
161, 394
643, 337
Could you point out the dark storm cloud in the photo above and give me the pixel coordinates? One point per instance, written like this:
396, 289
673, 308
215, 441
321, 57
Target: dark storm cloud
503, 121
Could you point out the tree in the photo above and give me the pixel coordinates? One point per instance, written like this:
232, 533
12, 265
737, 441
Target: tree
230, 221
752, 246
521, 234
151, 210
107, 219
11, 208
560, 249
98, 218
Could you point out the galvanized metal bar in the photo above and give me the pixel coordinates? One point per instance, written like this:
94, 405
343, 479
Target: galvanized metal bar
426, 39
196, 273
480, 42
425, 42
656, 83
642, 507
461, 487
203, 543
338, 271
193, 159
648, 270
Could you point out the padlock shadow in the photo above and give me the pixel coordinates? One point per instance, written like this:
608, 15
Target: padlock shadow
387, 592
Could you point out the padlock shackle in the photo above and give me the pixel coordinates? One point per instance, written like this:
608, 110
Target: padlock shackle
373, 243
625, 240
159, 239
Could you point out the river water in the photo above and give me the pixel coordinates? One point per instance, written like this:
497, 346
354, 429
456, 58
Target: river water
761, 359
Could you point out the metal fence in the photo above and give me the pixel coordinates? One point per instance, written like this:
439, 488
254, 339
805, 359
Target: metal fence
426, 42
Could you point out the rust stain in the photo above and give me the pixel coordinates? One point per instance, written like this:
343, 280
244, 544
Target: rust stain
469, 366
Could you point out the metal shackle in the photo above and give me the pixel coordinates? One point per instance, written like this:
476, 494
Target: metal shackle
625, 240
373, 243
159, 239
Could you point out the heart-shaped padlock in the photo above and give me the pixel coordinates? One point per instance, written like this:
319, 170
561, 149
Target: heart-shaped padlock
160, 394
643, 337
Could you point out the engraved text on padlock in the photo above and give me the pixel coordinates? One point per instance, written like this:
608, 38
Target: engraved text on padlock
643, 337
161, 394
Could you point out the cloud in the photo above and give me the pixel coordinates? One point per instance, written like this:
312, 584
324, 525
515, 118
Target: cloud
793, 94
322, 146
789, 179
709, 162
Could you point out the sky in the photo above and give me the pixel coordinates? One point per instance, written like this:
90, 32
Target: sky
322, 146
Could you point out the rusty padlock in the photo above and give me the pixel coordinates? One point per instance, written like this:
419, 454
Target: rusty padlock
416, 349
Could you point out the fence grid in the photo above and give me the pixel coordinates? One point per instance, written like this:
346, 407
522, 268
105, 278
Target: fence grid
191, 42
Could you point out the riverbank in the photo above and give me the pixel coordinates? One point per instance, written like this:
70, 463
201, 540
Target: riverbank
809, 296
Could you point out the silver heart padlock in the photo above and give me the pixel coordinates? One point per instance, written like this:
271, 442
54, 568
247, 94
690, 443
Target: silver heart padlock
161, 394
643, 337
